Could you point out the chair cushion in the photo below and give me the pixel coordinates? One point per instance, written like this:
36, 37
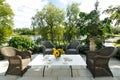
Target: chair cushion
71, 51
8, 51
48, 49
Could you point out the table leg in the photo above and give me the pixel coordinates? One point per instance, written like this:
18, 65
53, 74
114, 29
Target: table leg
43, 70
71, 71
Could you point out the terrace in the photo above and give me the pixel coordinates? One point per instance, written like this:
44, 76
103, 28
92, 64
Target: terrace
60, 73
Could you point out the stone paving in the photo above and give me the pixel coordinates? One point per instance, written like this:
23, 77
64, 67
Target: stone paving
60, 73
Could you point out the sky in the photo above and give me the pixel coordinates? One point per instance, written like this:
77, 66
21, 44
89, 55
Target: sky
25, 9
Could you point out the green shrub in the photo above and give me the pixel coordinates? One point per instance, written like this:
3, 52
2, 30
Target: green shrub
118, 41
118, 53
99, 44
1, 57
37, 49
21, 42
83, 48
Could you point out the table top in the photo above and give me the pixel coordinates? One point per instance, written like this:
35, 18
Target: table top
74, 60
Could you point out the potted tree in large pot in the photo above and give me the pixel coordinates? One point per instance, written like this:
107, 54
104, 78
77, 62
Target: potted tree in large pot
95, 29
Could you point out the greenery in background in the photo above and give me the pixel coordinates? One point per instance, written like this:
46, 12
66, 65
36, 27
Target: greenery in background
114, 14
59, 26
84, 46
90, 24
49, 24
1, 56
99, 43
72, 12
6, 21
36, 49
118, 53
117, 43
23, 31
21, 43
116, 30
47, 20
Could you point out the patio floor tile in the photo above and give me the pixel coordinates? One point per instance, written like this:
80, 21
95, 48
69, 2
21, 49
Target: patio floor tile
8, 77
105, 78
37, 78
74, 78
118, 78
84, 73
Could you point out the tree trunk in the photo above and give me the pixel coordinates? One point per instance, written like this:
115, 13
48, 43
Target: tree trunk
92, 44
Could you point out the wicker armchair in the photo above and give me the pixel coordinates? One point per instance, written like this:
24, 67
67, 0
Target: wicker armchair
98, 61
18, 60
47, 47
72, 48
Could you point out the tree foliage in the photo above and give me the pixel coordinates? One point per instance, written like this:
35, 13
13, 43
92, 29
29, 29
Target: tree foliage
72, 13
116, 30
114, 14
23, 31
6, 21
90, 24
47, 19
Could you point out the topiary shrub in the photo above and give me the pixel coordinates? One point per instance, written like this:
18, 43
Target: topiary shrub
21, 43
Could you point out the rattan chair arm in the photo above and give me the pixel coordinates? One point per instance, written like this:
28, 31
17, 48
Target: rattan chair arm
90, 55
28, 53
24, 54
99, 56
15, 59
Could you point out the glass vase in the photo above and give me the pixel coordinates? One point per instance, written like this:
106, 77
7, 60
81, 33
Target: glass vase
57, 58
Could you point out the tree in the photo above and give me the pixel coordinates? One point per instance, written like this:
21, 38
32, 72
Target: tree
47, 19
114, 14
72, 13
91, 25
6, 21
23, 31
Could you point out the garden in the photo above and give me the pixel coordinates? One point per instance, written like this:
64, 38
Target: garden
60, 27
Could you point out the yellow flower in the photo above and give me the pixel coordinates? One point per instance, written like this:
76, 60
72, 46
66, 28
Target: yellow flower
57, 52
61, 51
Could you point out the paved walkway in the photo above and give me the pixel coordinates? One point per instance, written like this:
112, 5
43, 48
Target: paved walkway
60, 73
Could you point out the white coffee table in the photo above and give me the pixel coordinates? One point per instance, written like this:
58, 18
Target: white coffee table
72, 60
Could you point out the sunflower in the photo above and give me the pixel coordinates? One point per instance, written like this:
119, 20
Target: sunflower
61, 51
57, 52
